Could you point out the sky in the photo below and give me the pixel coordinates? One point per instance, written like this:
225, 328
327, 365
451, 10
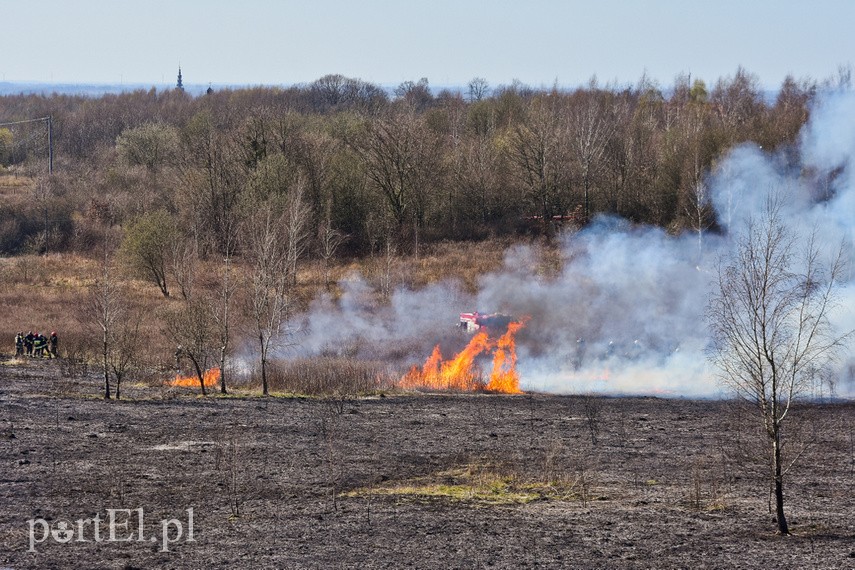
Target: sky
538, 42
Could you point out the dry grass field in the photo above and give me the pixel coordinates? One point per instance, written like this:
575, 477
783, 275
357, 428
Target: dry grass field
41, 293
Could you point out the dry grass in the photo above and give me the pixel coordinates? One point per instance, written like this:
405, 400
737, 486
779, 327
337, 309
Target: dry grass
13, 186
327, 376
40, 293
463, 261
47, 292
482, 483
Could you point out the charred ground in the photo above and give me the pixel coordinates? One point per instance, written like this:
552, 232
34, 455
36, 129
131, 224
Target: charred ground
421, 481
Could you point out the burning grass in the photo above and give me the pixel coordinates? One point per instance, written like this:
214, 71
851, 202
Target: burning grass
463, 374
210, 378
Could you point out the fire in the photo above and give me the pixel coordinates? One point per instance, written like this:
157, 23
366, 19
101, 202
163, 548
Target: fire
462, 373
211, 377
505, 377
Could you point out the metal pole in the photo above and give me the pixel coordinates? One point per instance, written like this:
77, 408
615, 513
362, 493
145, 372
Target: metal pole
49, 120
50, 144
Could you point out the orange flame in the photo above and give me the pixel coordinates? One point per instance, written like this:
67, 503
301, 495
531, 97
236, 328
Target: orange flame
505, 377
210, 378
462, 374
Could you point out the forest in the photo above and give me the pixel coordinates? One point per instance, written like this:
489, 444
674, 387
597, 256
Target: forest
411, 167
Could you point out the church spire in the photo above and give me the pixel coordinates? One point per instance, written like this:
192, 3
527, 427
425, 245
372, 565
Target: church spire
180, 85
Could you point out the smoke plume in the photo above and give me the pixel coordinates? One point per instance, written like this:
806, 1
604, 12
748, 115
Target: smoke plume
625, 315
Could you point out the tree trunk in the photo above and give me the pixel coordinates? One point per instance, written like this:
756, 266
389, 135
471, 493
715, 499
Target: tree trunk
783, 528
106, 370
264, 389
160, 279
587, 200
223, 370
224, 325
199, 375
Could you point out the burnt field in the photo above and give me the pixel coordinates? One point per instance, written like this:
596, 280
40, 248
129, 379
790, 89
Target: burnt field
410, 480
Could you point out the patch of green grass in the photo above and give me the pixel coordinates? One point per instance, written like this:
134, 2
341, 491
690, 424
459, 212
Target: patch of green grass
475, 484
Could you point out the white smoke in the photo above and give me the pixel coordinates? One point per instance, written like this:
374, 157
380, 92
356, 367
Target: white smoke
626, 313
624, 316
359, 325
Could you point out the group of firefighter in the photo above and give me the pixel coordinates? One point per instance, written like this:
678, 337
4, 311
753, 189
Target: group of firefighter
36, 345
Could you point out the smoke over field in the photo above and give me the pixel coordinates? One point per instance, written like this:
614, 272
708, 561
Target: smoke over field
625, 314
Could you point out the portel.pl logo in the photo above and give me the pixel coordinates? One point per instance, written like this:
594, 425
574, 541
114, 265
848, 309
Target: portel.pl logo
119, 525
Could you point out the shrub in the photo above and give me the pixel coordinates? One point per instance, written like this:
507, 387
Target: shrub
330, 376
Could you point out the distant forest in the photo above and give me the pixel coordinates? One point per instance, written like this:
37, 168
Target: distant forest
368, 168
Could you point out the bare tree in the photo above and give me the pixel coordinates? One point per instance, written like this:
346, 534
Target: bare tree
214, 172
772, 339
592, 409
698, 205
477, 89
297, 216
118, 326
538, 151
183, 261
122, 359
329, 240
416, 94
478, 181
103, 310
738, 103
272, 238
401, 159
190, 328
223, 317
388, 268
592, 126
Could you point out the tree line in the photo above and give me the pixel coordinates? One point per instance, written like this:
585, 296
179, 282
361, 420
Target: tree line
409, 167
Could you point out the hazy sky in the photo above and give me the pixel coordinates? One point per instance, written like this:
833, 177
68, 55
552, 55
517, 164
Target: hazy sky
538, 42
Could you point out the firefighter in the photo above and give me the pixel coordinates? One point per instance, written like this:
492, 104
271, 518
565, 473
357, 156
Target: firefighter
45, 347
28, 343
19, 345
54, 342
39, 343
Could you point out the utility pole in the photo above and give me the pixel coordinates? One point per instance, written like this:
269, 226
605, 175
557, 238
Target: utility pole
49, 121
50, 144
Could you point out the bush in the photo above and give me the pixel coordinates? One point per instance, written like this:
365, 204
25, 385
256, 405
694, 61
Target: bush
23, 227
330, 376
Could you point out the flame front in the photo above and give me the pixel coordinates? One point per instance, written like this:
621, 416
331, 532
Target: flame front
462, 373
210, 378
505, 377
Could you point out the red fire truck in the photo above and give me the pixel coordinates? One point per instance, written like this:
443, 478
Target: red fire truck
496, 323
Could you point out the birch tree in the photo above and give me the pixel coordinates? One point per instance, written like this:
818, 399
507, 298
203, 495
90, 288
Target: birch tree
592, 126
116, 324
274, 242
772, 339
